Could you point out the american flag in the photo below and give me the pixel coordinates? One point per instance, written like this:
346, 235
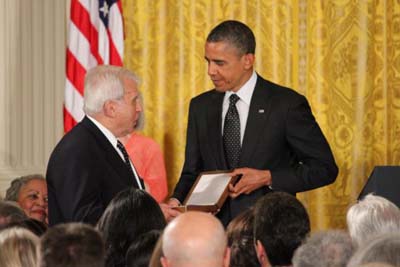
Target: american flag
95, 37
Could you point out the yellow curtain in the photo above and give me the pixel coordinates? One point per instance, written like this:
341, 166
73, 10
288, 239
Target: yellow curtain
343, 55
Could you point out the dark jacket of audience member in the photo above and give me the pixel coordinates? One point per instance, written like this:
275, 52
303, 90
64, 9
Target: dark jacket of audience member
280, 225
331, 248
72, 245
131, 212
241, 240
141, 249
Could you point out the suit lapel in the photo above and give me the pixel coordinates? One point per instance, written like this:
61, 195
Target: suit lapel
214, 116
111, 155
256, 120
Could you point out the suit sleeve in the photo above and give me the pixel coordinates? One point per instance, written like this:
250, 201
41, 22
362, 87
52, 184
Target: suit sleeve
193, 162
314, 165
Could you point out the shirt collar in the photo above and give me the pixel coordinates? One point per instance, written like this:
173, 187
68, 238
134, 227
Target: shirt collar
246, 91
109, 135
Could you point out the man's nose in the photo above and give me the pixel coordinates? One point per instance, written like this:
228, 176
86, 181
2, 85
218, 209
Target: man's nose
211, 69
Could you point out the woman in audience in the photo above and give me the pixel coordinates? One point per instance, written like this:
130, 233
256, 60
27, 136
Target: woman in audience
30, 192
18, 248
373, 215
241, 241
131, 213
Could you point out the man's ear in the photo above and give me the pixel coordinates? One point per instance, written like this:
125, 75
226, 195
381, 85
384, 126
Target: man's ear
109, 108
248, 61
164, 261
262, 254
227, 257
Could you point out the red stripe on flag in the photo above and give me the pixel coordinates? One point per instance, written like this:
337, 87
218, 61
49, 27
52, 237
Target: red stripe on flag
115, 58
81, 18
69, 121
75, 72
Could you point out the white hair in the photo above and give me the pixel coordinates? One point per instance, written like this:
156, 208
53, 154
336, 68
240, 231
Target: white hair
18, 247
371, 216
383, 249
103, 83
331, 248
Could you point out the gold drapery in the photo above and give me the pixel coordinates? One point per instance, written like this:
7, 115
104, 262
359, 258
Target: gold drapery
343, 55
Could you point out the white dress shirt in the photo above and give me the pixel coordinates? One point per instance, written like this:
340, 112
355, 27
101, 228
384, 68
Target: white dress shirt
113, 140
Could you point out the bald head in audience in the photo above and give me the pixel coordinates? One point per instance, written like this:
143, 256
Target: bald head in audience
195, 239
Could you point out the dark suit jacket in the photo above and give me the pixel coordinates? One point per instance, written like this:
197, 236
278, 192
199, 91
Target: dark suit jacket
83, 174
281, 136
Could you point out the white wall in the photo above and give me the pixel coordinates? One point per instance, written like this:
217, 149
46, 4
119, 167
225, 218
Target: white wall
32, 75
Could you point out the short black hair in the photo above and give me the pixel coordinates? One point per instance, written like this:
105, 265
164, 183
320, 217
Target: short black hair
235, 33
281, 223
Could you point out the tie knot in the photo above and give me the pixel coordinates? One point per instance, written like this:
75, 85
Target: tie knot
233, 99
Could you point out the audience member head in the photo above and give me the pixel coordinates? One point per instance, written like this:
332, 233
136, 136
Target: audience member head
383, 249
241, 240
139, 252
10, 212
195, 239
235, 33
72, 245
112, 98
130, 213
329, 249
18, 248
280, 225
35, 226
372, 216
376, 264
30, 192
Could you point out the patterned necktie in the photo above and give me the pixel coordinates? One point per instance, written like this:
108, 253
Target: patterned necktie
231, 135
128, 163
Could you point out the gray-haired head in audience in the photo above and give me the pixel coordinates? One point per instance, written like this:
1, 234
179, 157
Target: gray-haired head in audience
17, 183
371, 216
18, 248
331, 248
383, 249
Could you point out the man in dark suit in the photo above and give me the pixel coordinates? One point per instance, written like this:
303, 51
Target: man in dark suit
87, 167
266, 133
